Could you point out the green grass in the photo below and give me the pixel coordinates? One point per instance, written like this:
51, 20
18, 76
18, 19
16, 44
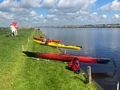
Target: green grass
19, 72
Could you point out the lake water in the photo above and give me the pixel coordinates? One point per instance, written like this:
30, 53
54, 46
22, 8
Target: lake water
95, 42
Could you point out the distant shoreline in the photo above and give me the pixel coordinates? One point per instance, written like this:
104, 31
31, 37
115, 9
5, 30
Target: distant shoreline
84, 26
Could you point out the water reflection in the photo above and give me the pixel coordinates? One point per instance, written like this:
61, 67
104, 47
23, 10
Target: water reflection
102, 75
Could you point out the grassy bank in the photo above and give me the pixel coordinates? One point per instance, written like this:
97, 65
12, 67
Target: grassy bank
19, 72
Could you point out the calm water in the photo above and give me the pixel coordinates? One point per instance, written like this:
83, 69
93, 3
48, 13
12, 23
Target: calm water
96, 42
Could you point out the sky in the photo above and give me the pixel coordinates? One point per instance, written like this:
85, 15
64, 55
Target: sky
59, 12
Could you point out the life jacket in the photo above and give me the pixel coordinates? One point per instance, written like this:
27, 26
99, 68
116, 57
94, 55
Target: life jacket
75, 65
12, 24
15, 25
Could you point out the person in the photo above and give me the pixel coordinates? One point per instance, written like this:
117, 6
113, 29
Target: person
12, 28
16, 28
44, 40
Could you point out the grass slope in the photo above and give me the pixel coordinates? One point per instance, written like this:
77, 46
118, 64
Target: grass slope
19, 72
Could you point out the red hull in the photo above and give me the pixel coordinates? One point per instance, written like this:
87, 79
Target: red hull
47, 40
64, 57
67, 57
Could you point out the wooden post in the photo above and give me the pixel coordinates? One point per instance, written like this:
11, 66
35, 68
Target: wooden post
22, 47
89, 74
28, 39
117, 85
57, 45
64, 51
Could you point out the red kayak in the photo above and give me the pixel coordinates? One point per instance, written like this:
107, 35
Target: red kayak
47, 40
67, 57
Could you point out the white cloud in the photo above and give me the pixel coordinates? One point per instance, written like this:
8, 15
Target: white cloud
55, 19
33, 13
95, 13
8, 6
30, 3
3, 15
41, 16
116, 16
74, 5
104, 16
47, 4
94, 17
58, 12
112, 6
50, 16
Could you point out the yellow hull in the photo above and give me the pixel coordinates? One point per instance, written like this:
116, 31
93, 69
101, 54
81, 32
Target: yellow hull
53, 44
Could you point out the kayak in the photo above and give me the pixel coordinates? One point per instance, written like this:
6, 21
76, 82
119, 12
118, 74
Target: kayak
48, 40
67, 57
59, 45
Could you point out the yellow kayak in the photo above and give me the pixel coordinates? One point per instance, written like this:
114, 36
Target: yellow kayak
59, 45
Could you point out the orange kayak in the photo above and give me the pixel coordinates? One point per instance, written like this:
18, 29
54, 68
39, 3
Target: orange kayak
47, 40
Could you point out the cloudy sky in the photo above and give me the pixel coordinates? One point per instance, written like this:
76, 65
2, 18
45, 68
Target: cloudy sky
59, 12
